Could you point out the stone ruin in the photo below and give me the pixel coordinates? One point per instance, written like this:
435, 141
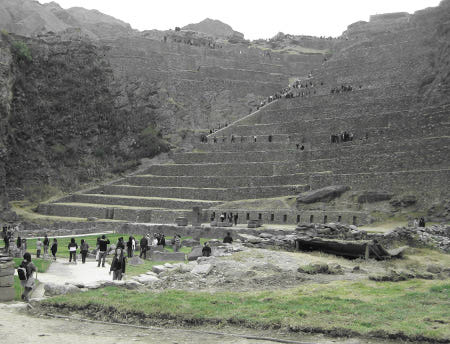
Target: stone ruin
397, 157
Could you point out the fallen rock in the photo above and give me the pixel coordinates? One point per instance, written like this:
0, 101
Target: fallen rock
135, 261
195, 253
325, 194
250, 238
190, 243
158, 269
53, 289
132, 285
434, 268
313, 269
202, 269
146, 279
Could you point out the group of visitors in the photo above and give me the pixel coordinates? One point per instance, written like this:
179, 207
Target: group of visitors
206, 250
343, 89
148, 242
342, 137
224, 217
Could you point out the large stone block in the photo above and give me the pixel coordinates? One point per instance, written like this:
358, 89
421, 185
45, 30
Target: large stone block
7, 294
167, 256
195, 253
203, 269
7, 281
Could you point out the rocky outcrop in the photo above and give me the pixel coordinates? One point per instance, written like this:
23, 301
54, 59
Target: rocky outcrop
325, 194
214, 28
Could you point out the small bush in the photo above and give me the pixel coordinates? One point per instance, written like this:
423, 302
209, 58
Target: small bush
22, 51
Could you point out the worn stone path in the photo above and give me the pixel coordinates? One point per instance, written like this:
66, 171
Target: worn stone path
61, 271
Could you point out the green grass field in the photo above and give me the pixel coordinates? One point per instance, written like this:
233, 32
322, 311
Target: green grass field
413, 308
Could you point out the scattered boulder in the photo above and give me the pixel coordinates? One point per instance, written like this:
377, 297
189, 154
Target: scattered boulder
202, 269
157, 269
53, 289
312, 269
146, 279
135, 260
434, 268
132, 285
325, 194
190, 243
195, 253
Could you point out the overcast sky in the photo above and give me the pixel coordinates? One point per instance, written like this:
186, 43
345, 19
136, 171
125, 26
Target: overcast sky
254, 18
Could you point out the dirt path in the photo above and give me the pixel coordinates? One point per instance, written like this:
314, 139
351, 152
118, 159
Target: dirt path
61, 271
16, 326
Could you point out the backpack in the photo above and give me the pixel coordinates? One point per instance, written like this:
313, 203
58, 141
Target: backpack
22, 272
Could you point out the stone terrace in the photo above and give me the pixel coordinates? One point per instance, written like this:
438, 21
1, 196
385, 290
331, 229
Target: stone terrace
399, 146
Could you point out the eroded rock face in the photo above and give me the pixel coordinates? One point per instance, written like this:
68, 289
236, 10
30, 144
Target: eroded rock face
325, 194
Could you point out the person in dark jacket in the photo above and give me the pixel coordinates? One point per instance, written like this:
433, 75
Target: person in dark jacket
46, 245
144, 245
84, 249
163, 240
120, 243
228, 239
118, 264
28, 283
54, 248
130, 247
19, 242
73, 246
206, 250
103, 248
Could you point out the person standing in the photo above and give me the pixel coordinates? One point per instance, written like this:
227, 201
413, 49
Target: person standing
120, 243
228, 239
23, 247
7, 239
46, 245
118, 264
103, 248
130, 247
54, 248
176, 243
73, 246
206, 250
84, 249
38, 247
25, 272
143, 244
236, 216
19, 243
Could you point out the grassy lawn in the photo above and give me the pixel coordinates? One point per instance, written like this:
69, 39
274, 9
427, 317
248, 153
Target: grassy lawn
415, 307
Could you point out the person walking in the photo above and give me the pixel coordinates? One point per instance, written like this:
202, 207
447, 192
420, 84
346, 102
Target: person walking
103, 248
25, 273
118, 264
54, 248
46, 245
73, 246
84, 249
38, 247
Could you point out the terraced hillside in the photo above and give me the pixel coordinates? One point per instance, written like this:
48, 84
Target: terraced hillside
399, 145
